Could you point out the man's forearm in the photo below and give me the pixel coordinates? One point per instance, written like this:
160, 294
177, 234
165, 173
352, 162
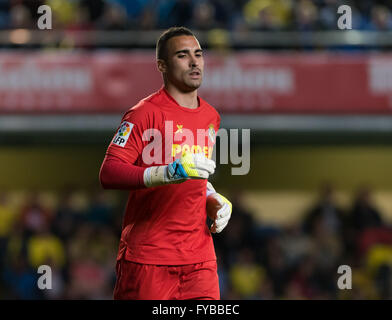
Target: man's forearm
118, 174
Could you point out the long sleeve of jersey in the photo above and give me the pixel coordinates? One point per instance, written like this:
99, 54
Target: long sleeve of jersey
115, 173
122, 166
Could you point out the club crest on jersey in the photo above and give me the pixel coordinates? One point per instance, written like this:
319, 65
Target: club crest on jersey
123, 134
211, 133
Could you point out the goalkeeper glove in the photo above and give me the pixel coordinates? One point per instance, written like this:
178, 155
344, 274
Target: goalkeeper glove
189, 166
218, 209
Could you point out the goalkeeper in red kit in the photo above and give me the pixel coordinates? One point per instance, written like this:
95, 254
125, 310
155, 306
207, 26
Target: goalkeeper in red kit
162, 154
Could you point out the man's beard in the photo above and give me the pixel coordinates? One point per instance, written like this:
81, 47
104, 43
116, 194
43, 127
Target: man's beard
186, 85
193, 85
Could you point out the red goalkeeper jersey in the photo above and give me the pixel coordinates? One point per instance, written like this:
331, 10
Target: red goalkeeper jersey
165, 225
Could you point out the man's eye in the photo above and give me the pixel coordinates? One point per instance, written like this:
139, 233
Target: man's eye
181, 56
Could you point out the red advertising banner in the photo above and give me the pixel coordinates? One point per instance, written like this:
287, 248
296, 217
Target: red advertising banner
249, 82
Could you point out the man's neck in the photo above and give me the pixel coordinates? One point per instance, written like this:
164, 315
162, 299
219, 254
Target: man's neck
184, 99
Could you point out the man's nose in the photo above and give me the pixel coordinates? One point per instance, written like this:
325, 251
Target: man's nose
193, 62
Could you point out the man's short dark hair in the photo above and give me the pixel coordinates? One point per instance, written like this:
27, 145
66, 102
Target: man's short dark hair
161, 46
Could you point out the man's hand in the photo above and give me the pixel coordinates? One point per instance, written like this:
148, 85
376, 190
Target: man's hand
218, 209
189, 166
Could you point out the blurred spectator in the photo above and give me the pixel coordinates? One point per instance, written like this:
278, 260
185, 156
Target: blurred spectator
114, 18
20, 17
80, 21
266, 291
203, 16
327, 247
277, 266
88, 280
306, 16
327, 14
222, 11
4, 14
8, 218
133, 8
325, 211
379, 263
364, 214
181, 13
268, 14
67, 216
362, 287
34, 217
246, 275
383, 281
148, 19
381, 19
295, 244
79, 244
92, 265
303, 281
43, 247
95, 8
99, 212
373, 236
218, 40
63, 12
21, 280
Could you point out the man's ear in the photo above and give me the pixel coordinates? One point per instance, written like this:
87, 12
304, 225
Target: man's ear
161, 64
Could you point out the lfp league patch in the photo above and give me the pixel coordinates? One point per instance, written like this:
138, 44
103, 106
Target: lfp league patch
123, 134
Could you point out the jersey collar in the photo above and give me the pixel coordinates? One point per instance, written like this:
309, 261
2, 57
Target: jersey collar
173, 102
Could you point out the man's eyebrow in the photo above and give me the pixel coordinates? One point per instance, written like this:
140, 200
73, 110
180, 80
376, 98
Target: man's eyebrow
187, 51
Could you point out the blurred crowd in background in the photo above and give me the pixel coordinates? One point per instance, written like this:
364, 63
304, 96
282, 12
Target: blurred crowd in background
232, 15
78, 237
301, 261
77, 232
